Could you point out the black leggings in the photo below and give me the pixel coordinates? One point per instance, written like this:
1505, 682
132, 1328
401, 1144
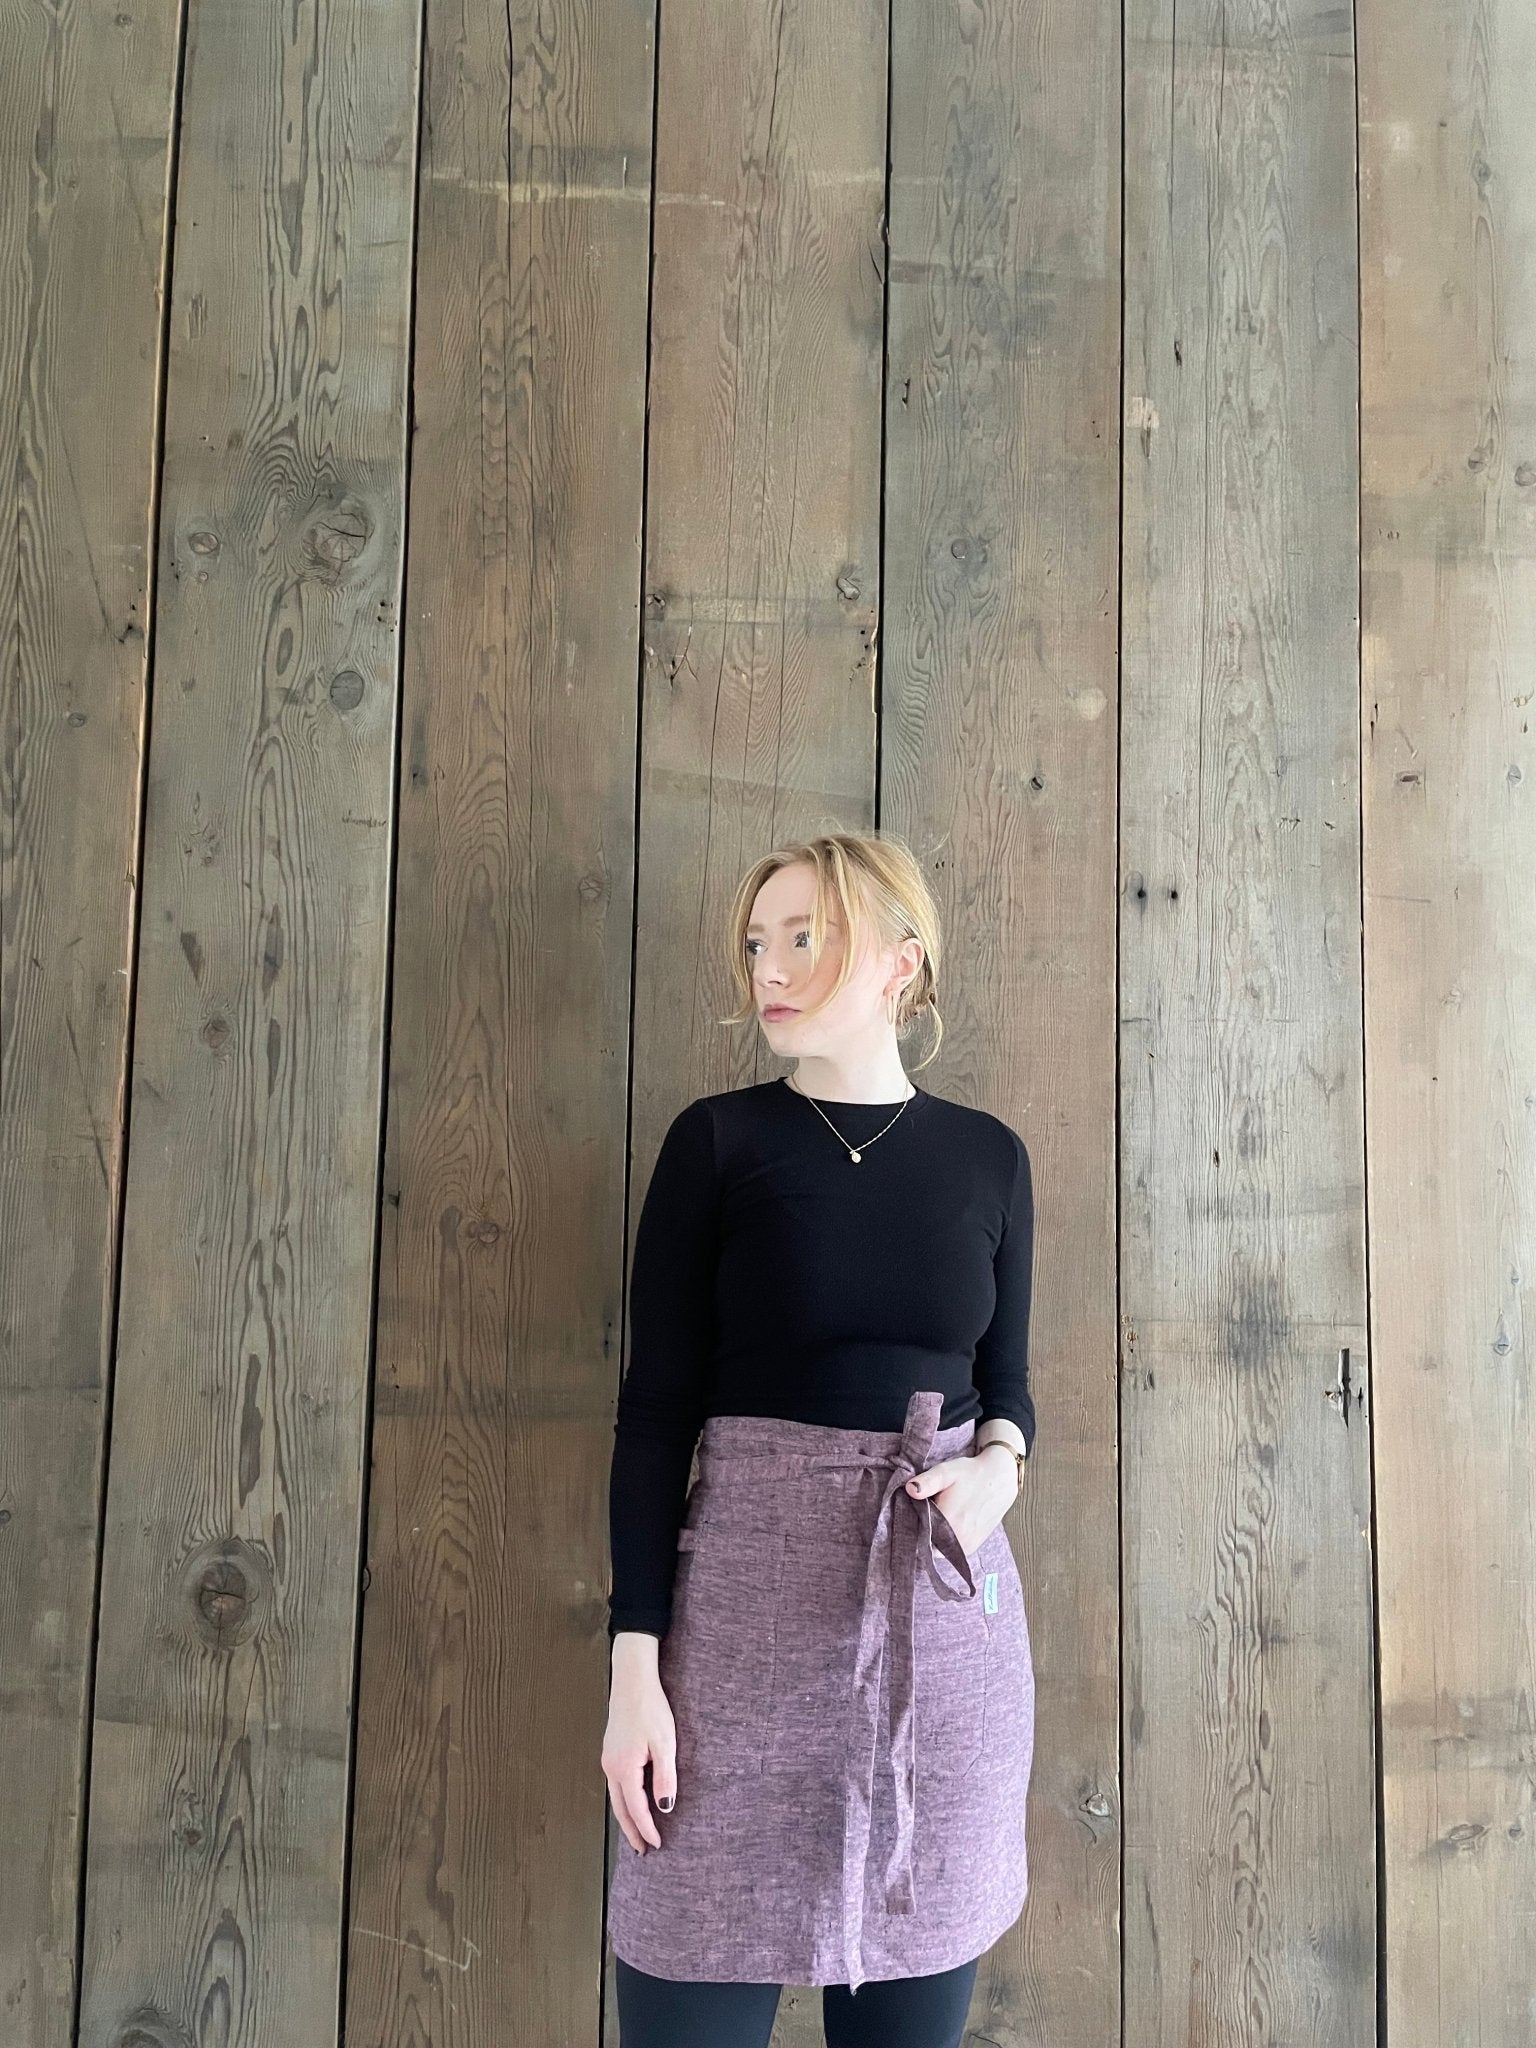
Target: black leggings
890, 2012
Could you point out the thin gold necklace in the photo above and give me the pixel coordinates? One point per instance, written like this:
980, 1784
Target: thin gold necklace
855, 1152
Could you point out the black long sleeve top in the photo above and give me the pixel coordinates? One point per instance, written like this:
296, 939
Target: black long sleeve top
773, 1276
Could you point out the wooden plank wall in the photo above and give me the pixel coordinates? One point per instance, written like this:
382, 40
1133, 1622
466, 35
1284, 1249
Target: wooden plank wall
86, 125
1448, 407
1250, 1850
220, 1751
997, 754
478, 480
762, 555
476, 1902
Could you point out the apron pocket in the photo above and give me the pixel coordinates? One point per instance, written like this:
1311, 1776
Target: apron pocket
716, 1666
1010, 1677
952, 1653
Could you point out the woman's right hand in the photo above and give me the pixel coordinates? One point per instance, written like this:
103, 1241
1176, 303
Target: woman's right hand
640, 1731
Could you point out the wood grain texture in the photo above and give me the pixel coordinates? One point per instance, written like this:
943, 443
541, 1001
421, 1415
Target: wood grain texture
1448, 373
778, 489
762, 516
87, 116
762, 538
762, 533
997, 746
476, 1907
1249, 1853
221, 1738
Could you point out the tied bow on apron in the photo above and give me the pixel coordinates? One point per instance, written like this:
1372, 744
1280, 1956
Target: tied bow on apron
909, 1535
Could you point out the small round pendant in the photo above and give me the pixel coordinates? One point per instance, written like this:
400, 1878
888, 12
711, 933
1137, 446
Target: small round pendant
854, 1156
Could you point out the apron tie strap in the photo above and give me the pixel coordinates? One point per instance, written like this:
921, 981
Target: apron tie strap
902, 1543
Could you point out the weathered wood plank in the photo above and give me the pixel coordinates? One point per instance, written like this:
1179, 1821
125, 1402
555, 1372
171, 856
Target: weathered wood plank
87, 114
219, 1767
1249, 1853
763, 515
477, 1867
998, 764
1448, 196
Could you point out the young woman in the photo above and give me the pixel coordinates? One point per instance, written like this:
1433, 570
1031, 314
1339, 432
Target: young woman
820, 1653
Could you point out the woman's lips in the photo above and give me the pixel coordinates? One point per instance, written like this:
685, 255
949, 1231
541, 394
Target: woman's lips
771, 1010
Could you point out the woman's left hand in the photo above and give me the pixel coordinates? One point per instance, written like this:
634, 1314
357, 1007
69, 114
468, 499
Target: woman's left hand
972, 1492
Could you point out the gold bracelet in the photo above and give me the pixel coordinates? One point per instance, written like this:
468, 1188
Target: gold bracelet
1017, 1456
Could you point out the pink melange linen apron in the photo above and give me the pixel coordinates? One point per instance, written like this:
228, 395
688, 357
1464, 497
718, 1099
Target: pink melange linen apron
854, 1702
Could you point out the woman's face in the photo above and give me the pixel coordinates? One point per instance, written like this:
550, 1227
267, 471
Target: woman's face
784, 982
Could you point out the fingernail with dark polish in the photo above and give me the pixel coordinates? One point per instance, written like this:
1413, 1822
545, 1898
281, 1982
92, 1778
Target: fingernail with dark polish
665, 1805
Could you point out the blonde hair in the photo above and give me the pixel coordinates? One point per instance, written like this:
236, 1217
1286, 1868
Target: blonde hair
876, 883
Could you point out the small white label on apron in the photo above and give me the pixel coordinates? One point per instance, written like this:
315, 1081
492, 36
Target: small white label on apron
989, 1593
